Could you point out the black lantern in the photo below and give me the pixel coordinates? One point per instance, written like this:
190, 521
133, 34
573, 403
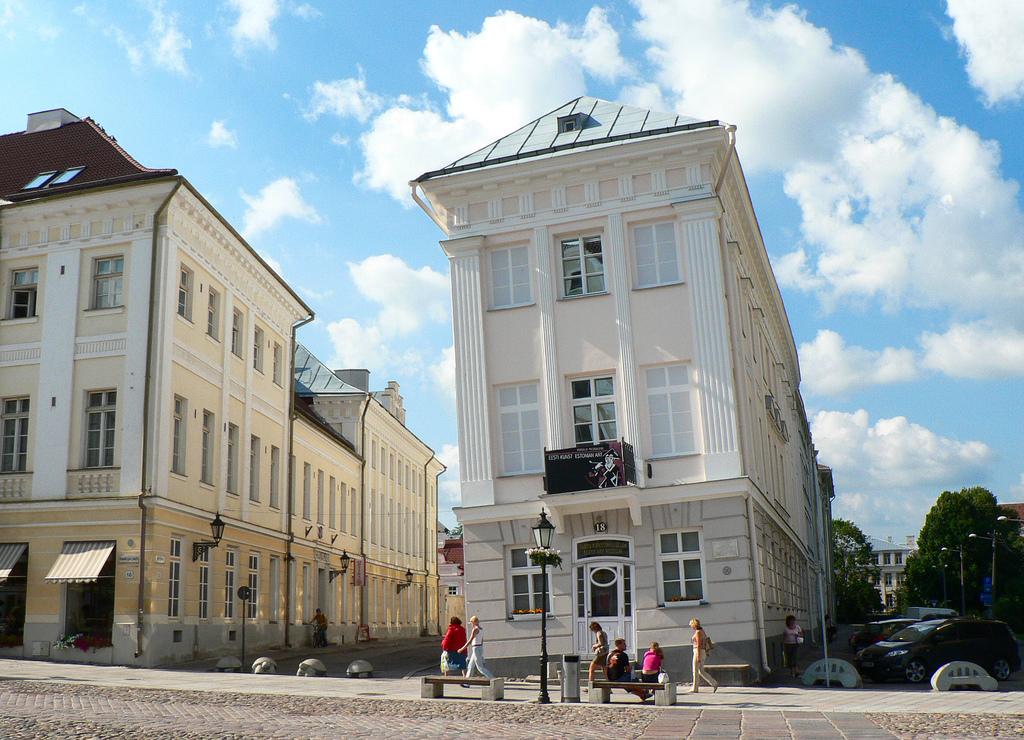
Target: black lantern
217, 529
345, 560
408, 580
543, 530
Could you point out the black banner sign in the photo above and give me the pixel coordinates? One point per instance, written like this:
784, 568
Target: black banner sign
602, 549
605, 465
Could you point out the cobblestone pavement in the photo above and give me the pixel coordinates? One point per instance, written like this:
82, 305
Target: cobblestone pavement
30, 709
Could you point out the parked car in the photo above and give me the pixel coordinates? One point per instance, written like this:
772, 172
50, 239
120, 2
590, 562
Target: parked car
929, 612
872, 632
917, 651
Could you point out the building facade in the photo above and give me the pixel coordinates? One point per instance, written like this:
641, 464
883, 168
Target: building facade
146, 375
624, 361
891, 558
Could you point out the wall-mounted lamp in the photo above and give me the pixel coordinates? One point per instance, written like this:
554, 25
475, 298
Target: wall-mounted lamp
345, 559
408, 581
308, 530
217, 529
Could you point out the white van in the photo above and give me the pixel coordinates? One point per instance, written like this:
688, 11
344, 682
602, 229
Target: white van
929, 612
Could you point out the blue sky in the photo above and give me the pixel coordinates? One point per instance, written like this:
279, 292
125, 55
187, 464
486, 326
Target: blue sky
880, 141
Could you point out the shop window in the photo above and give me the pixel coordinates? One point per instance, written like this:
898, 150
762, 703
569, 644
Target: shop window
89, 607
13, 591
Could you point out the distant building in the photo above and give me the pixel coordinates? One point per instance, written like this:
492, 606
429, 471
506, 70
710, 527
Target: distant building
891, 559
451, 566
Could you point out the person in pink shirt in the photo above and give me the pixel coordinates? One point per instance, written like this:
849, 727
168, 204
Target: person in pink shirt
652, 664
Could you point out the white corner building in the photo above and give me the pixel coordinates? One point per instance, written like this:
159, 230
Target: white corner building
624, 361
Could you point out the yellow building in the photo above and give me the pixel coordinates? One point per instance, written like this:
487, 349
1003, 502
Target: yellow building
146, 383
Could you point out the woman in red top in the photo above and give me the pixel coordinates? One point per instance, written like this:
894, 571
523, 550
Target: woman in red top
452, 642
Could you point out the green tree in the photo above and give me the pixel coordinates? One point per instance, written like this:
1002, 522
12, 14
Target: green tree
950, 521
854, 570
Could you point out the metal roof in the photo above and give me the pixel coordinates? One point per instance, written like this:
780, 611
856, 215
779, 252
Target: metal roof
603, 122
313, 377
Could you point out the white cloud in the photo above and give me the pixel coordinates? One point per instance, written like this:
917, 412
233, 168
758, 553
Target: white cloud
277, 200
316, 295
1018, 490
339, 140
989, 34
407, 297
976, 350
443, 374
831, 367
347, 98
167, 43
221, 136
450, 490
792, 271
305, 11
893, 454
254, 27
509, 72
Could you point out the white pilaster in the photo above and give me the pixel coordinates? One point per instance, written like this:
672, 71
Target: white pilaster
225, 400
628, 380
554, 437
55, 452
471, 388
132, 397
711, 333
245, 442
162, 403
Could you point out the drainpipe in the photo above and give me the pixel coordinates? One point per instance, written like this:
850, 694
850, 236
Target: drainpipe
414, 187
725, 164
291, 490
429, 547
758, 597
362, 512
147, 487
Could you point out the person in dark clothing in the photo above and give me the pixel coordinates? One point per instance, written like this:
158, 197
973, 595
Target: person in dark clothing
620, 668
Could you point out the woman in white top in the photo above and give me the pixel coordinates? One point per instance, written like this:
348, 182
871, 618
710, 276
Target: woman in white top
700, 642
475, 643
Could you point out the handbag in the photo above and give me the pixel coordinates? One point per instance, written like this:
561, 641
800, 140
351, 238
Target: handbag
799, 639
663, 677
444, 661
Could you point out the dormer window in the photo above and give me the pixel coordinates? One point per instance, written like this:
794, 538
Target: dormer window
39, 180
66, 176
570, 123
48, 179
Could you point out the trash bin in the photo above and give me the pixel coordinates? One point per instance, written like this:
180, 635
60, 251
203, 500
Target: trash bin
570, 679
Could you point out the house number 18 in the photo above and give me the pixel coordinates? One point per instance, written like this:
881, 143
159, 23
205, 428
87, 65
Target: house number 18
600, 527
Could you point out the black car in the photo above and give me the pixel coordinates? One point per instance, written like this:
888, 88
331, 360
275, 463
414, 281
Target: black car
917, 651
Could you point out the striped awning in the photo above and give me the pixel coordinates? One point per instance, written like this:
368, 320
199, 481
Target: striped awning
10, 554
80, 562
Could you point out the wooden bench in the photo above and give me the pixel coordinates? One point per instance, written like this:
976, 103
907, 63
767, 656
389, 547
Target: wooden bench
599, 692
491, 689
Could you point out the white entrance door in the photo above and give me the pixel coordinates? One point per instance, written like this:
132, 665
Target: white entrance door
604, 594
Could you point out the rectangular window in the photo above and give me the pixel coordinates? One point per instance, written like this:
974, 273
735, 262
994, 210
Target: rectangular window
209, 441
307, 595
898, 558
526, 584
887, 558
275, 590
178, 435
185, 293
520, 429
254, 468
278, 363
582, 266
670, 407
100, 425
108, 282
204, 584
680, 569
888, 579
229, 584
14, 453
657, 259
510, 277
319, 497
332, 510
307, 485
174, 579
275, 476
24, 290
232, 458
252, 606
593, 410
257, 349
236, 332
352, 508
213, 314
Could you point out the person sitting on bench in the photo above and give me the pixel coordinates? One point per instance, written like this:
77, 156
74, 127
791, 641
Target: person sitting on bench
621, 669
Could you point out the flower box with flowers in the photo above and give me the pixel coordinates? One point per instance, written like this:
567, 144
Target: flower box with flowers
545, 556
83, 642
526, 615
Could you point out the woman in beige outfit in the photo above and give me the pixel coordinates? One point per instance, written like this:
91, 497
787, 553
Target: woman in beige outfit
699, 640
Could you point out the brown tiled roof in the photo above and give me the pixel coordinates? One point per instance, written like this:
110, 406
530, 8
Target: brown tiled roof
82, 143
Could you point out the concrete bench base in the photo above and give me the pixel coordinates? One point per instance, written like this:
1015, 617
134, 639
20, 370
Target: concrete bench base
600, 692
491, 689
960, 674
730, 674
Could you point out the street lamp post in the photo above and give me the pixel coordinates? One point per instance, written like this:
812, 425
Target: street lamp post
542, 533
960, 552
943, 584
992, 590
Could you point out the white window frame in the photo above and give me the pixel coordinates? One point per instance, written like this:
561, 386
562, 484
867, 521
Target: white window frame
186, 279
273, 601
680, 557
653, 238
588, 278
106, 413
516, 459
213, 314
257, 349
668, 393
174, 579
230, 559
509, 280
179, 435
275, 476
204, 584
208, 447
594, 403
332, 509
535, 585
307, 490
237, 333
319, 496
278, 360
254, 468
252, 606
233, 442
15, 424
29, 287
108, 285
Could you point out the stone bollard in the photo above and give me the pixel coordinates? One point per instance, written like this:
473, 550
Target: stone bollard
264, 665
311, 667
229, 664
